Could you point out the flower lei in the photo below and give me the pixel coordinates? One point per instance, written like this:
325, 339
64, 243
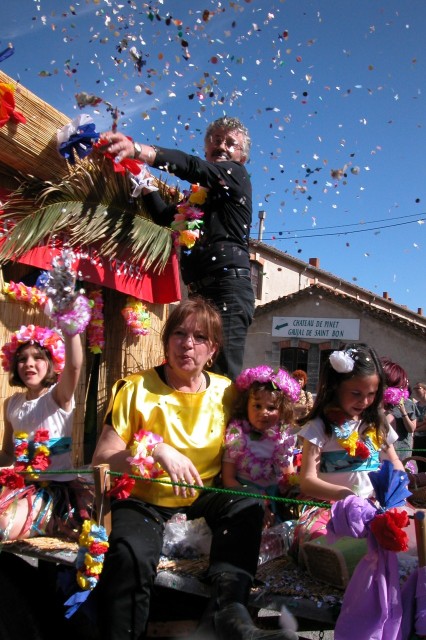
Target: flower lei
394, 395
7, 105
31, 458
141, 449
44, 336
349, 440
93, 545
95, 329
21, 293
34, 457
263, 374
136, 316
236, 439
187, 220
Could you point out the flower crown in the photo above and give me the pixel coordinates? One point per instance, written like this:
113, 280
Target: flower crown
44, 336
263, 374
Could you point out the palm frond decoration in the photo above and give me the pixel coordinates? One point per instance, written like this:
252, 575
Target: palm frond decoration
91, 205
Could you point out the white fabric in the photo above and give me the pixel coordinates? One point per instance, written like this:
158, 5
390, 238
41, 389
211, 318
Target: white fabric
43, 413
358, 481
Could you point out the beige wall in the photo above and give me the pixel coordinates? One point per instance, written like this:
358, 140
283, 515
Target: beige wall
392, 340
279, 279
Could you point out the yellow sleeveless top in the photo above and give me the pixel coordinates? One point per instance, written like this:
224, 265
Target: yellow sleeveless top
192, 423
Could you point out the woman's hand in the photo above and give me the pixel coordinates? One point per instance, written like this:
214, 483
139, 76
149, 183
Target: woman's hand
179, 468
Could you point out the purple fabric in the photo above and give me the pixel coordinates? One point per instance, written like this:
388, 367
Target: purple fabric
349, 517
414, 605
371, 605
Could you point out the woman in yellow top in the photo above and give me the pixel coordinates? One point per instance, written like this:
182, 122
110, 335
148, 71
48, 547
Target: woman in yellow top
169, 422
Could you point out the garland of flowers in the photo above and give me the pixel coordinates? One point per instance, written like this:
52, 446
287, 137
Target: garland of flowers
93, 545
136, 316
19, 292
44, 336
32, 458
350, 440
187, 220
263, 374
257, 468
95, 329
141, 449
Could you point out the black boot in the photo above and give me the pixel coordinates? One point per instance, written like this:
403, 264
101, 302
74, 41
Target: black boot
234, 623
231, 618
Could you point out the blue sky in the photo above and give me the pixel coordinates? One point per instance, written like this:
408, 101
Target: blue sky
322, 86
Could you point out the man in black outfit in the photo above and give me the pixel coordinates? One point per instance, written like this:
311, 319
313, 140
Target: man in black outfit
217, 266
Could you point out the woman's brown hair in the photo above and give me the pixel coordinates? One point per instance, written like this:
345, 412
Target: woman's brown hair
208, 320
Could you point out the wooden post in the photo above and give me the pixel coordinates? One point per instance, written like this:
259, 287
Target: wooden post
103, 505
420, 528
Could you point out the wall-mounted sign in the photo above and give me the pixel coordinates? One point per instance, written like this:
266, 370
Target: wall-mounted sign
315, 328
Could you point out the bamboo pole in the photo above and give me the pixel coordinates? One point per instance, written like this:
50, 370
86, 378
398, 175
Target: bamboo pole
102, 486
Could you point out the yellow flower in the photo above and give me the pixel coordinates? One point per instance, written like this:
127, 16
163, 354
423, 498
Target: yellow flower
188, 238
198, 195
350, 443
371, 433
21, 435
82, 581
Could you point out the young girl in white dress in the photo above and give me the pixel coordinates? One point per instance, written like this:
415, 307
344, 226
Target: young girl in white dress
345, 436
38, 435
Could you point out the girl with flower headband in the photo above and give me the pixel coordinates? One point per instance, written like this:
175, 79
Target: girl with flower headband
399, 408
37, 435
259, 443
345, 436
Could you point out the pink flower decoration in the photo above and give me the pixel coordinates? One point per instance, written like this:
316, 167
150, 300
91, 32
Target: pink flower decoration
394, 395
44, 336
263, 374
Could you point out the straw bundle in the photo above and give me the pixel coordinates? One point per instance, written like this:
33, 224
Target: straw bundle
31, 148
125, 353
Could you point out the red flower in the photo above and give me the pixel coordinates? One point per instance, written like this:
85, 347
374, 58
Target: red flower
11, 479
122, 487
297, 460
98, 548
387, 528
40, 462
361, 450
21, 449
41, 435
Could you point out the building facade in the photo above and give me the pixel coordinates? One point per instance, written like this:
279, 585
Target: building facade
303, 313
